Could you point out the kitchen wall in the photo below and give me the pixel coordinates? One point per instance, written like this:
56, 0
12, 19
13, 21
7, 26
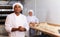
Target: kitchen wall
39, 8
45, 10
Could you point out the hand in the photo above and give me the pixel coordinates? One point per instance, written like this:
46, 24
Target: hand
14, 29
32, 24
21, 28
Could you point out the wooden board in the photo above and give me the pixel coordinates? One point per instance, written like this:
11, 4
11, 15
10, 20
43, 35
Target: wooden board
50, 29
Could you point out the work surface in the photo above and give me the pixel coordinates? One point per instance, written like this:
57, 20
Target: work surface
49, 29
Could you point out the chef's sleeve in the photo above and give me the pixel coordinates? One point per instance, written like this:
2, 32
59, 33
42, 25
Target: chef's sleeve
8, 24
26, 24
36, 20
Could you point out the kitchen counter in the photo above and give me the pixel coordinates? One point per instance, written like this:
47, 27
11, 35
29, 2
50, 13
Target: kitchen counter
47, 28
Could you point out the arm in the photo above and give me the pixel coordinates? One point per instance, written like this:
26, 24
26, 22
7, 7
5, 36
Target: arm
26, 25
37, 20
8, 25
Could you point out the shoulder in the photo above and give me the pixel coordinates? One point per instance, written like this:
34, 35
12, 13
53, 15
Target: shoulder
34, 16
27, 16
10, 15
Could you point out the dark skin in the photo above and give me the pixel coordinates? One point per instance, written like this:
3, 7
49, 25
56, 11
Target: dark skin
30, 13
20, 28
17, 10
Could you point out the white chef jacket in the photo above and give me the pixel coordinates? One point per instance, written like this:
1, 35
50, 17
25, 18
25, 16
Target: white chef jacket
13, 21
32, 19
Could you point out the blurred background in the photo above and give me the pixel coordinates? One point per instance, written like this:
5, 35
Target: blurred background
46, 10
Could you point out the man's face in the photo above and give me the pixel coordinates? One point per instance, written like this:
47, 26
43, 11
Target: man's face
17, 8
30, 13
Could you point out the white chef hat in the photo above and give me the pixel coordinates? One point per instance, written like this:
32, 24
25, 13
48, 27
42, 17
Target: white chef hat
18, 4
31, 11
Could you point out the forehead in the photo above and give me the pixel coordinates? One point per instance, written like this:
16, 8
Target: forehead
17, 5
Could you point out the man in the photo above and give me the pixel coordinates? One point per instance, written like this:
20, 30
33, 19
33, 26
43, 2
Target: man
32, 20
16, 23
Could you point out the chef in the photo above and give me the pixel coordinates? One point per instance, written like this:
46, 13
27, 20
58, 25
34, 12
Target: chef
32, 20
16, 23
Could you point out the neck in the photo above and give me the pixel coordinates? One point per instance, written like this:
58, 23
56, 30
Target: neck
17, 13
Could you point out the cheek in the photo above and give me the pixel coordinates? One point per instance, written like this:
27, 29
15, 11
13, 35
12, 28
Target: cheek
15, 9
19, 9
